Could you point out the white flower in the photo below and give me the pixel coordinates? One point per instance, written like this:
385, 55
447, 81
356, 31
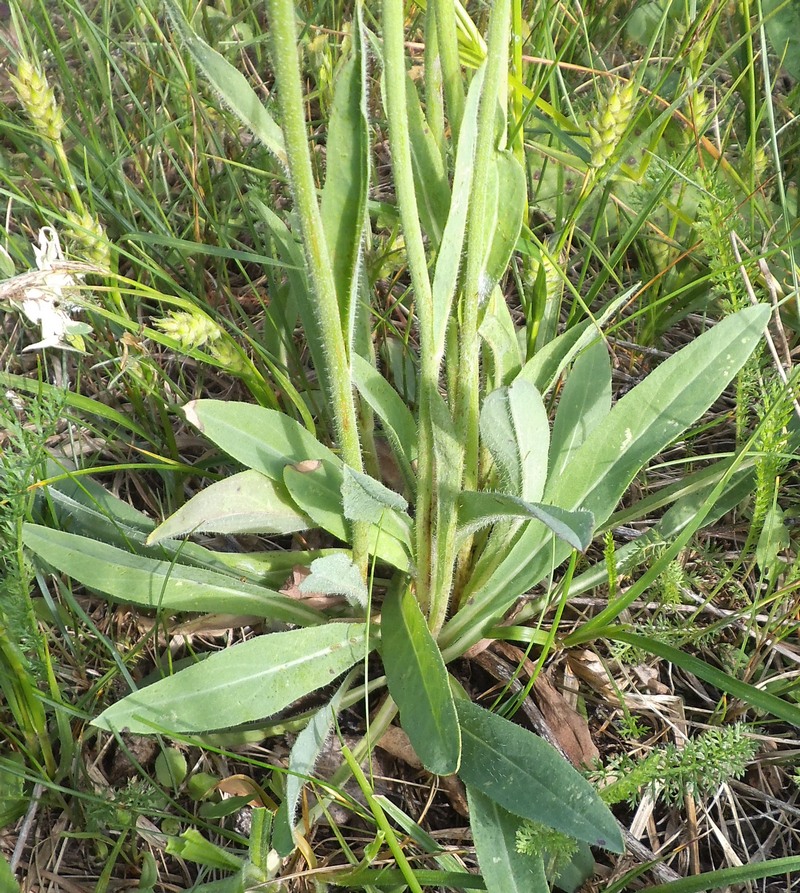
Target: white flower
45, 298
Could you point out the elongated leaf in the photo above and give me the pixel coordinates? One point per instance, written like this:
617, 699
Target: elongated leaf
655, 412
783, 27
639, 426
510, 198
418, 683
305, 752
398, 422
343, 205
515, 429
262, 439
83, 507
159, 584
247, 502
498, 331
476, 510
543, 369
449, 458
430, 177
756, 697
527, 777
585, 401
244, 683
316, 487
448, 261
494, 831
229, 84
731, 878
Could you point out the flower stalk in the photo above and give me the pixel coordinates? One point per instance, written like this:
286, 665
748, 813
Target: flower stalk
336, 375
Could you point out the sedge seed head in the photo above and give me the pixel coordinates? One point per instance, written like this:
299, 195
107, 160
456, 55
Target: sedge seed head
189, 329
38, 99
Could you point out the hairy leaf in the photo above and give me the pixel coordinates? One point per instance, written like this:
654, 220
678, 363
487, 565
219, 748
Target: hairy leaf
243, 683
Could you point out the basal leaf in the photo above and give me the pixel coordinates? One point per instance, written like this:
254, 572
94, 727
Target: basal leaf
499, 333
430, 177
247, 502
303, 757
544, 368
161, 585
516, 431
527, 777
365, 499
494, 831
448, 260
397, 420
243, 683
510, 198
418, 683
783, 27
262, 439
585, 401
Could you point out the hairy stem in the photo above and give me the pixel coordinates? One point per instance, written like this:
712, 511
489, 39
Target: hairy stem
336, 374
396, 78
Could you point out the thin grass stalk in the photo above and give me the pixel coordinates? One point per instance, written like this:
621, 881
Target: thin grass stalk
336, 375
467, 398
451, 66
395, 71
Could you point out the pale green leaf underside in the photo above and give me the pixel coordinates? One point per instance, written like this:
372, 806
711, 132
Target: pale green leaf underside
243, 683
247, 502
336, 575
516, 431
303, 757
365, 499
316, 489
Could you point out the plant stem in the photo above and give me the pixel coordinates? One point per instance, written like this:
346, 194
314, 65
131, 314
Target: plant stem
451, 67
396, 85
478, 240
336, 375
434, 105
